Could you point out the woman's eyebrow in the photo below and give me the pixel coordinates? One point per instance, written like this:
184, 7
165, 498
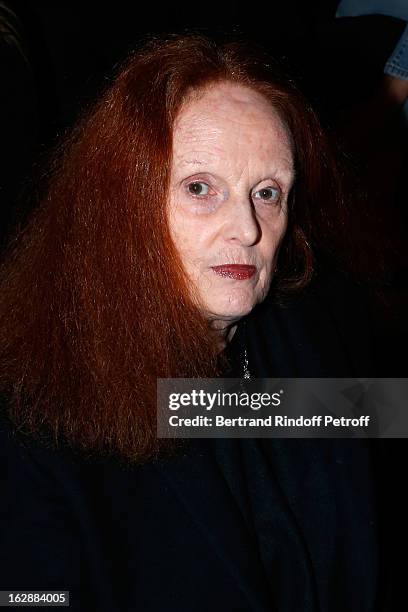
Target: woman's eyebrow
287, 174
195, 162
284, 172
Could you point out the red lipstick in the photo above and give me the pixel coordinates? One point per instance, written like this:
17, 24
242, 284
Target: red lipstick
235, 271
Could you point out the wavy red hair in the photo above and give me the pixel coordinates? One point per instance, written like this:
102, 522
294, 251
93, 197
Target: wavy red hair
94, 303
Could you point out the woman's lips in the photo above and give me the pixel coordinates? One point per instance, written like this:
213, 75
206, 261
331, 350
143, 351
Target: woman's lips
235, 271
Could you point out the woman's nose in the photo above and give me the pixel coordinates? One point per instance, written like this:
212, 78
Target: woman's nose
241, 225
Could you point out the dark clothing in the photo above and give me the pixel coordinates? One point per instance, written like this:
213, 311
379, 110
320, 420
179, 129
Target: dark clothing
227, 525
220, 530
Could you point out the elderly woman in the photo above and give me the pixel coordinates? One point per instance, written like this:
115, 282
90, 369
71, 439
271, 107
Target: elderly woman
198, 179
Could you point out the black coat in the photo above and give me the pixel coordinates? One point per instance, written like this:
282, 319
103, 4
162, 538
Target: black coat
227, 525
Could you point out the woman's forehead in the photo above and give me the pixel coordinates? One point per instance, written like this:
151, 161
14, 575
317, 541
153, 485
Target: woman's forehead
227, 101
234, 121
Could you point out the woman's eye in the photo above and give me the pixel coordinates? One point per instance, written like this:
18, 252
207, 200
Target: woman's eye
198, 188
268, 194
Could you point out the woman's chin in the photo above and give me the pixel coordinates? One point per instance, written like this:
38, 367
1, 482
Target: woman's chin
230, 310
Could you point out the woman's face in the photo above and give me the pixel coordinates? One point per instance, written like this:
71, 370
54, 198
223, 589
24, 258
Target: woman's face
231, 175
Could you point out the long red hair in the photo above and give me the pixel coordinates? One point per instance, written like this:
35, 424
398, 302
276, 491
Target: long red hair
94, 302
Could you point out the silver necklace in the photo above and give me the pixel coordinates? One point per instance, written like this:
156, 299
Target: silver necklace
246, 373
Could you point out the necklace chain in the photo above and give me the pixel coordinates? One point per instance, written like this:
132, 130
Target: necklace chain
246, 373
